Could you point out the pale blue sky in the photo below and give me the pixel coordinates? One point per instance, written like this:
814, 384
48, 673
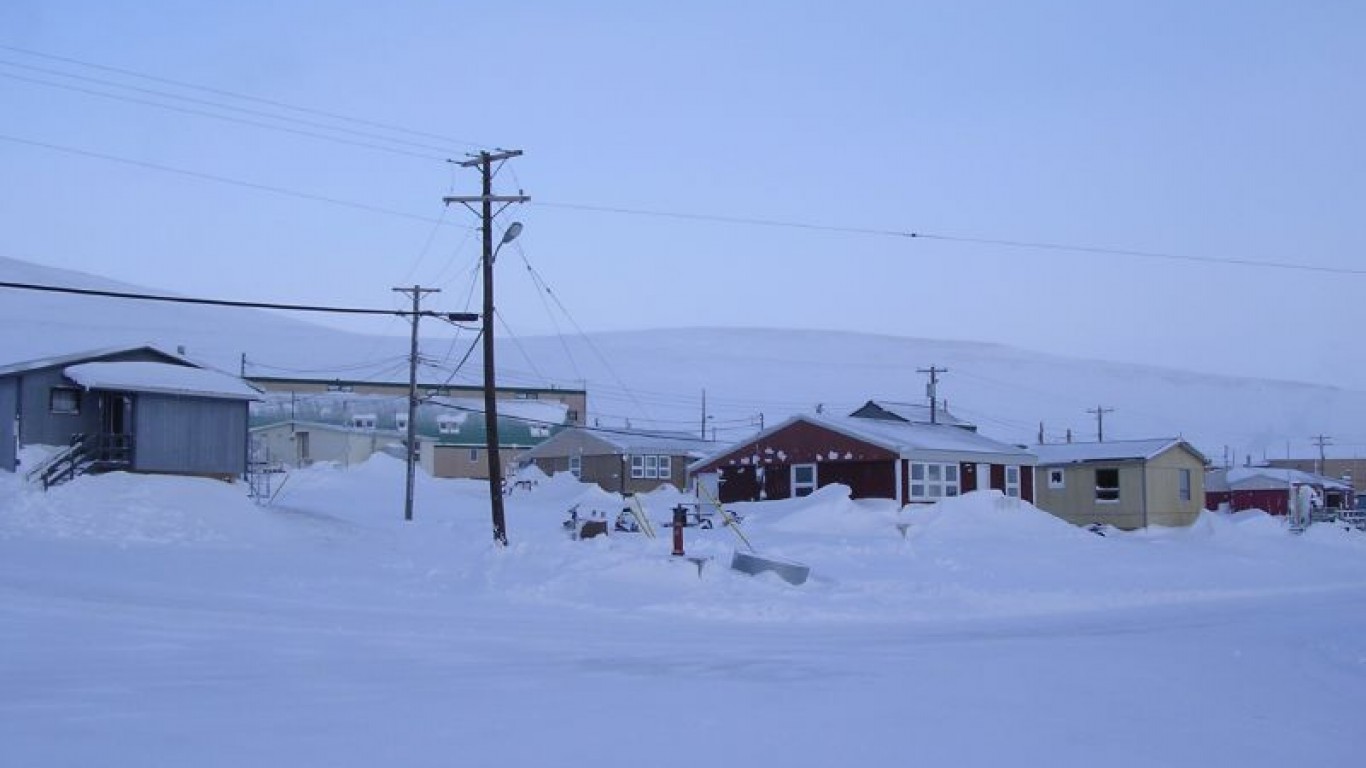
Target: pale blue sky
1211, 129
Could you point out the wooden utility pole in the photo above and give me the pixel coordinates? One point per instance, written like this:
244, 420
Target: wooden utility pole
485, 161
1322, 441
932, 389
1100, 412
416, 292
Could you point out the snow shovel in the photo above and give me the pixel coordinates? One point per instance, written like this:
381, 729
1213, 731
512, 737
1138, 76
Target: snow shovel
752, 562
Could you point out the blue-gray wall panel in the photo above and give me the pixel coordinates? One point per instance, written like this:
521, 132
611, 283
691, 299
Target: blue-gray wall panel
189, 434
9, 425
38, 425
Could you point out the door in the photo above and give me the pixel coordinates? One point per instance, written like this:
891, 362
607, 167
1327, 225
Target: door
983, 477
115, 441
301, 449
803, 480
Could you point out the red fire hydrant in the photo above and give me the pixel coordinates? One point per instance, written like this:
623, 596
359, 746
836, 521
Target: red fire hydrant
680, 522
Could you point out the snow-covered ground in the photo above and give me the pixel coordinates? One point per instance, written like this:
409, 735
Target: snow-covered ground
170, 621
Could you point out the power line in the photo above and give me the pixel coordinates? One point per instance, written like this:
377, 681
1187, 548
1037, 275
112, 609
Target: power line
916, 235
1024, 244
227, 303
226, 118
222, 179
241, 96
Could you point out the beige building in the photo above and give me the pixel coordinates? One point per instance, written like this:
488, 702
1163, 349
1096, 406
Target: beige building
575, 401
1127, 484
301, 443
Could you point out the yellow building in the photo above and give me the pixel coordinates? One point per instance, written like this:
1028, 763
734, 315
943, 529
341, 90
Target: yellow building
1127, 483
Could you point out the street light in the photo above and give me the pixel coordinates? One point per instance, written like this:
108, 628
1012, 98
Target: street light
511, 233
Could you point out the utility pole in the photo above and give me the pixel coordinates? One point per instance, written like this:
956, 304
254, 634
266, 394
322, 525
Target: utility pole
1040, 433
1322, 441
485, 161
932, 389
242, 370
416, 292
1100, 412
704, 414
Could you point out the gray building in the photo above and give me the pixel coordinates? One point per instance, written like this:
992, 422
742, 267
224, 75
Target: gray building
140, 409
620, 460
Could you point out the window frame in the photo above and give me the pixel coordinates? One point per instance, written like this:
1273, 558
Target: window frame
808, 486
576, 466
1183, 485
73, 392
1106, 494
1013, 488
1061, 482
934, 480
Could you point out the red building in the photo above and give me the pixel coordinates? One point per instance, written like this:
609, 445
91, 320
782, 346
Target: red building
1270, 489
878, 457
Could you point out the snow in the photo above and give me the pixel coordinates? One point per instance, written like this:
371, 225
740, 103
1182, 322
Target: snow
163, 378
1274, 478
170, 621
1116, 450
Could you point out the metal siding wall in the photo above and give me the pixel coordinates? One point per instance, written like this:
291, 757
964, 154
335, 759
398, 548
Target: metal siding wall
39, 426
190, 435
9, 437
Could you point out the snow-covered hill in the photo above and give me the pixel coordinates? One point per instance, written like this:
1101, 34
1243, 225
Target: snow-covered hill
656, 377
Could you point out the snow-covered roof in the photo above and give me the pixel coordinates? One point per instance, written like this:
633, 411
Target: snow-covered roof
1118, 450
1268, 479
162, 378
56, 361
674, 443
915, 413
548, 412
907, 438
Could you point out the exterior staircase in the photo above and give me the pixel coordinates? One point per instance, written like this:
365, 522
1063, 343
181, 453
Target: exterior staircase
86, 454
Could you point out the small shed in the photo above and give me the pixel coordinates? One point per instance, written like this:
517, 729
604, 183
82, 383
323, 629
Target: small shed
875, 457
620, 460
1125, 483
138, 408
1271, 489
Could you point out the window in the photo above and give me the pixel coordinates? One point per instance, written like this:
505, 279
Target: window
447, 425
571, 416
64, 400
339, 387
649, 467
1057, 478
527, 396
539, 430
401, 421
1185, 481
576, 465
934, 481
803, 479
1107, 485
1013, 481
363, 421
474, 455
